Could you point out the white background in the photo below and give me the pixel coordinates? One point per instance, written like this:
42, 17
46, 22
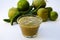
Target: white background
48, 30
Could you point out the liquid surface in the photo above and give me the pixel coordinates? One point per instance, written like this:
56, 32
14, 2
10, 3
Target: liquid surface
29, 21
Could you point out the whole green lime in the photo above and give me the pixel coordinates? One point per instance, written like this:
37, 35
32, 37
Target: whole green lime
49, 9
43, 13
12, 12
23, 5
53, 15
37, 3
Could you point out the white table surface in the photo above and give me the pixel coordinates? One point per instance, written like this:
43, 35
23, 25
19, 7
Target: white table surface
48, 30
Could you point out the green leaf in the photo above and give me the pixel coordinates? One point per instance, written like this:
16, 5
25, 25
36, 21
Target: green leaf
6, 20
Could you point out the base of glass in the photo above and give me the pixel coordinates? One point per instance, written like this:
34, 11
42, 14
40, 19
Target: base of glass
30, 36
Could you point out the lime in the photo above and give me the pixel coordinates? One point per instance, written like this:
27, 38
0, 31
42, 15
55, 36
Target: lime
37, 3
53, 15
23, 5
12, 12
43, 13
49, 9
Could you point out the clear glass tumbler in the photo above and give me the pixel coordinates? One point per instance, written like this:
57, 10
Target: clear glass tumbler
29, 25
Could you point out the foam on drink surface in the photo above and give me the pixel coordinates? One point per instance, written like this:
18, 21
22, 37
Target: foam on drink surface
29, 22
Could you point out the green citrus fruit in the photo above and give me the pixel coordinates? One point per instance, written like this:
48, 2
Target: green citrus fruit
49, 10
23, 5
12, 12
53, 15
37, 3
43, 13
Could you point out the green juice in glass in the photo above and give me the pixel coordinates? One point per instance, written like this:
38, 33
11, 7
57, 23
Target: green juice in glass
29, 25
